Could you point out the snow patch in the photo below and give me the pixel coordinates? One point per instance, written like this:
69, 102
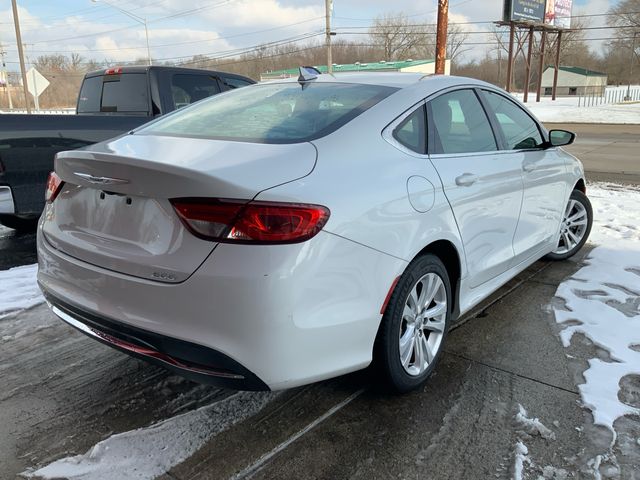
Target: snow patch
567, 110
19, 290
532, 426
604, 298
148, 452
521, 457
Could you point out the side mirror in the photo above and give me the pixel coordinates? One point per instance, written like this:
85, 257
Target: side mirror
560, 138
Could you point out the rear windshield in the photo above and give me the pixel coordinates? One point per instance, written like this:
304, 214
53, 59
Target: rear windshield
272, 113
126, 93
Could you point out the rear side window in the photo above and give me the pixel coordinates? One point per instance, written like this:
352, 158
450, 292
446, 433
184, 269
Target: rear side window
272, 113
460, 124
411, 132
232, 82
519, 129
115, 93
186, 89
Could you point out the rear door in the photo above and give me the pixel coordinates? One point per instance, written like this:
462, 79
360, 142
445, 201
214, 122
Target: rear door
482, 184
543, 172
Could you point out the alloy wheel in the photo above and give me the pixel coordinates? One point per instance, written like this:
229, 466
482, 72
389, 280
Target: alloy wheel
573, 228
422, 327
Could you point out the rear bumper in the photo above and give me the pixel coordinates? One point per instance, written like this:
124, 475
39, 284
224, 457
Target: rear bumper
281, 316
195, 362
7, 207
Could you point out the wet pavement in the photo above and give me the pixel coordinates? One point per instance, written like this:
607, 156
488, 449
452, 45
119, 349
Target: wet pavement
62, 393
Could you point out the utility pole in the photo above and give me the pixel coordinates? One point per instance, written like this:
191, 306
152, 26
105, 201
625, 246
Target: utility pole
328, 6
441, 36
23, 71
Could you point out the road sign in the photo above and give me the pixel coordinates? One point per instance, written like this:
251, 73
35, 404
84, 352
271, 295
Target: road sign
36, 83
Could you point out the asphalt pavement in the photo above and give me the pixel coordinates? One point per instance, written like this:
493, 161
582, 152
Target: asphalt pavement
61, 393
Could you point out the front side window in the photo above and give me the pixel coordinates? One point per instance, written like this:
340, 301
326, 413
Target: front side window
411, 132
519, 129
460, 124
272, 113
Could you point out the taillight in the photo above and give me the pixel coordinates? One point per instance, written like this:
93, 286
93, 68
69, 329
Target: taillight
54, 185
234, 221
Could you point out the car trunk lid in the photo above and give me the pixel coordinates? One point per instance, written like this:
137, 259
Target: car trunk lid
113, 210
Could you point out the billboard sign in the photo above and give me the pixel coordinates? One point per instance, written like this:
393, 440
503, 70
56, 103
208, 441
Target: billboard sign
524, 11
558, 13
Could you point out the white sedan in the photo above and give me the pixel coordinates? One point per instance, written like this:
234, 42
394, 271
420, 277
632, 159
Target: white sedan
297, 230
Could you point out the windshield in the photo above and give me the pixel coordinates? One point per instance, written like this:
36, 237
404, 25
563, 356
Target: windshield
272, 113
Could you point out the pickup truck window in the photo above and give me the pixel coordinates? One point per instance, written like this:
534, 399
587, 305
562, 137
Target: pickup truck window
126, 93
232, 82
186, 89
90, 95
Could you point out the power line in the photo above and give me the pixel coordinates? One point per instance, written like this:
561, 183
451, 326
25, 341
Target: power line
190, 42
155, 20
76, 12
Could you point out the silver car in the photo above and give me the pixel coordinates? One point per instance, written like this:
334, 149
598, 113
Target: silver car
297, 230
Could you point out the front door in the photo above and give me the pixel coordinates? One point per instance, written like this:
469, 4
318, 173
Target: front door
543, 172
483, 185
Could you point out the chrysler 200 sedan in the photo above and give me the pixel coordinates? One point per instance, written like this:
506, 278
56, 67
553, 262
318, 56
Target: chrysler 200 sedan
297, 230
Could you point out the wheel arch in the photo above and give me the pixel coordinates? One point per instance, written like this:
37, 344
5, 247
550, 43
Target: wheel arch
581, 186
449, 256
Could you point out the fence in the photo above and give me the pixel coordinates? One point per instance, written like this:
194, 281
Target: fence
612, 95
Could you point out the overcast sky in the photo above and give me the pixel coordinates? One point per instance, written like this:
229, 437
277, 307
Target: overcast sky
182, 28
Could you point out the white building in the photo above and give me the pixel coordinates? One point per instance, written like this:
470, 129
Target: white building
574, 81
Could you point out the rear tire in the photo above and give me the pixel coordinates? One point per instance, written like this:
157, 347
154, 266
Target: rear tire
575, 227
22, 225
414, 325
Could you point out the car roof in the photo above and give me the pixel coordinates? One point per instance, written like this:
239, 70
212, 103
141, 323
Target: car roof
398, 80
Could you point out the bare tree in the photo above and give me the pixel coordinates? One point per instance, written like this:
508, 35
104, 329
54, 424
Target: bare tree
395, 36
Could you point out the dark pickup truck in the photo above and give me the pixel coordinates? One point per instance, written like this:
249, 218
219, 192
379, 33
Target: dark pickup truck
111, 102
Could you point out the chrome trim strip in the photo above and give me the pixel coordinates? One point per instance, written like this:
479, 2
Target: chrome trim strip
6, 201
144, 351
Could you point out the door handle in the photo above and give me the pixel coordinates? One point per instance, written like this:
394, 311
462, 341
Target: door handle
466, 179
529, 166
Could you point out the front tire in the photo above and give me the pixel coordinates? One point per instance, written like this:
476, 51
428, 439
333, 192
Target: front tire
575, 227
414, 325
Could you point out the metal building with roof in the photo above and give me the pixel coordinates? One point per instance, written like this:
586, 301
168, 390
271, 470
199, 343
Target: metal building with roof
574, 81
410, 65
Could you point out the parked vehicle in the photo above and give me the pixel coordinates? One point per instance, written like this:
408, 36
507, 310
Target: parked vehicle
111, 102
293, 231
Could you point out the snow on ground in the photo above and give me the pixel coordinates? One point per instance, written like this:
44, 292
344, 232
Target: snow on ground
566, 110
603, 301
18, 290
532, 426
521, 457
148, 452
